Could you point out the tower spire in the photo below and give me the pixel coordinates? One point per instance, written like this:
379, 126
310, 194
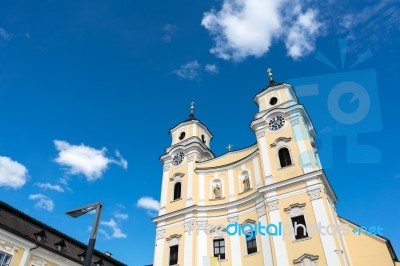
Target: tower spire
191, 109
269, 72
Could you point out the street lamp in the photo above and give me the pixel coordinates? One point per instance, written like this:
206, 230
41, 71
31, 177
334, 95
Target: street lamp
80, 211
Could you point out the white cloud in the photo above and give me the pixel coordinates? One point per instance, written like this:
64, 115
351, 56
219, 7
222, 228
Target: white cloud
301, 35
376, 21
169, 31
121, 216
149, 204
245, 28
81, 159
117, 232
12, 173
190, 70
5, 35
64, 182
103, 232
122, 162
46, 186
363, 16
211, 68
43, 202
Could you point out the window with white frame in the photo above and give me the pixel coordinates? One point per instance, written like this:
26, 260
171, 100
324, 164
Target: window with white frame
177, 190
219, 248
283, 153
5, 259
284, 157
176, 182
173, 255
297, 217
173, 243
250, 236
251, 244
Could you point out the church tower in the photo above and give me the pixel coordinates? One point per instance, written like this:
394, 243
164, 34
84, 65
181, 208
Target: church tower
190, 142
267, 204
283, 124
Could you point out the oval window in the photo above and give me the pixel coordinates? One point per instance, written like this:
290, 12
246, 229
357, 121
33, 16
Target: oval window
273, 101
182, 135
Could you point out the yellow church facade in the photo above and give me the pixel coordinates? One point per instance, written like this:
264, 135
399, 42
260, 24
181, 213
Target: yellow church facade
267, 204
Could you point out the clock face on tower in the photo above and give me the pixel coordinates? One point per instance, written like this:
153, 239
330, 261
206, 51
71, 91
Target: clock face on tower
178, 158
276, 123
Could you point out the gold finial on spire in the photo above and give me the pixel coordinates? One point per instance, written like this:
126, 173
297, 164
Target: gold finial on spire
269, 71
192, 109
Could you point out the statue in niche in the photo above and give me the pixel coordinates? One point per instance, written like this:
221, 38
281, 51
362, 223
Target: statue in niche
217, 191
246, 183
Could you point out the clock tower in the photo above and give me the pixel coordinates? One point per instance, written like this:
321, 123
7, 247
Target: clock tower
285, 133
190, 142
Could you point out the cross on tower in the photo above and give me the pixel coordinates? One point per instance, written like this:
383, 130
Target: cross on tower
192, 109
229, 147
269, 71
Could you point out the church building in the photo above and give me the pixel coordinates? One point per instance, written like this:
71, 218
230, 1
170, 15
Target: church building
267, 204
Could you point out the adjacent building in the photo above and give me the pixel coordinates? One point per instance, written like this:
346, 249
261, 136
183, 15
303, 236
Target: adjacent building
25, 241
277, 181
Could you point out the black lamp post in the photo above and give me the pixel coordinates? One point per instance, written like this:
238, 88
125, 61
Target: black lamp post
80, 211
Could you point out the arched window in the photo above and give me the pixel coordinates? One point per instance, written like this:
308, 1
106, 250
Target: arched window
177, 191
284, 157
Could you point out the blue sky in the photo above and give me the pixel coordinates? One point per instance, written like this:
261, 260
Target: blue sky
88, 91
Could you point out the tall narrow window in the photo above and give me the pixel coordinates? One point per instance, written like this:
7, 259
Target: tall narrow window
219, 248
299, 227
5, 259
173, 255
251, 244
177, 190
284, 157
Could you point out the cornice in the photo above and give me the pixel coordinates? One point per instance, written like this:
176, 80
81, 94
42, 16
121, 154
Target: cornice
192, 121
301, 179
197, 208
290, 111
187, 147
227, 166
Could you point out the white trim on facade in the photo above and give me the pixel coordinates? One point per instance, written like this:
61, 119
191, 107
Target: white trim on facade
201, 243
265, 243
201, 189
265, 160
189, 190
328, 241
257, 172
279, 243
164, 189
158, 256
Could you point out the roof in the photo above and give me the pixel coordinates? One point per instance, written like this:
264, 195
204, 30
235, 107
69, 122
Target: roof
25, 226
191, 118
388, 243
270, 85
229, 158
